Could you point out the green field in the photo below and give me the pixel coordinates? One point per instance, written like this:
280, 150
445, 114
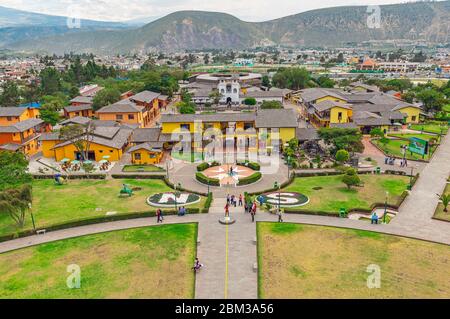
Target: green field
393, 148
440, 214
301, 261
84, 199
153, 262
334, 195
407, 136
431, 127
142, 168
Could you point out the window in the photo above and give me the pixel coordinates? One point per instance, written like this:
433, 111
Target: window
119, 117
9, 118
101, 151
413, 118
131, 116
137, 156
110, 151
248, 126
152, 155
185, 127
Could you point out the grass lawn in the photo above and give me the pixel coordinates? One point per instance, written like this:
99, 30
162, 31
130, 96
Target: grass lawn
83, 199
301, 261
334, 194
446, 108
407, 136
152, 262
440, 209
392, 148
143, 168
432, 127
192, 157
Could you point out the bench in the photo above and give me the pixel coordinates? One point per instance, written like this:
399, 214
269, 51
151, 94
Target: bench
41, 232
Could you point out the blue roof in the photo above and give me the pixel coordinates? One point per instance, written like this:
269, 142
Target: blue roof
32, 105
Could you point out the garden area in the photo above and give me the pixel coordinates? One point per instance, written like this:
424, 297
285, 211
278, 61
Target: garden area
132, 263
393, 147
142, 168
300, 261
328, 194
79, 200
431, 127
441, 212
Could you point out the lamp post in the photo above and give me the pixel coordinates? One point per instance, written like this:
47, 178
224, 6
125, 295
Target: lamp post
177, 194
385, 208
32, 216
289, 166
277, 185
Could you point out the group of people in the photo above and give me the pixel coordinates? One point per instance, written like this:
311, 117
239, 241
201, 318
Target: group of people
404, 162
233, 200
160, 217
389, 161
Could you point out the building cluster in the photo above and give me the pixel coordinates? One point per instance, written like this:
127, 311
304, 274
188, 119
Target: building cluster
363, 107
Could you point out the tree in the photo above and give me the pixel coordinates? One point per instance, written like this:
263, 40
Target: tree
186, 108
271, 105
80, 136
291, 78
215, 96
250, 101
432, 99
13, 170
105, 97
50, 81
206, 59
377, 132
30, 93
342, 156
266, 81
409, 96
351, 178
49, 114
445, 198
15, 202
342, 139
325, 82
10, 95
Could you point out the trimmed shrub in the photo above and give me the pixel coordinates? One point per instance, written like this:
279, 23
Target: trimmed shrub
251, 179
254, 166
201, 167
206, 180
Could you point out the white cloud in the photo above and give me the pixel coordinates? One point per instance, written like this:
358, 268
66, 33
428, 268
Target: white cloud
120, 10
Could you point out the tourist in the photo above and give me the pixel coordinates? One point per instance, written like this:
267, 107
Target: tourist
374, 219
246, 207
240, 199
233, 198
197, 265
159, 216
182, 211
254, 207
253, 213
228, 199
280, 216
227, 210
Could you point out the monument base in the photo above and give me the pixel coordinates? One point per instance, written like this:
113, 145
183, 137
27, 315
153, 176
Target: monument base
227, 221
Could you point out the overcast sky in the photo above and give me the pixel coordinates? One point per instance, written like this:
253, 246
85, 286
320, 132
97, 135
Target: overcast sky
121, 10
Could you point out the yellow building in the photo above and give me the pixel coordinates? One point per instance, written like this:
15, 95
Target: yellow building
13, 115
147, 153
412, 113
247, 128
142, 109
23, 136
104, 141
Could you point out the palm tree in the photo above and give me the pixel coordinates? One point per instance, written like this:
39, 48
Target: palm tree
445, 198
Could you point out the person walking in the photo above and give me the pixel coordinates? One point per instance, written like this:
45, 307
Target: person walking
159, 216
240, 200
280, 216
227, 210
246, 207
253, 213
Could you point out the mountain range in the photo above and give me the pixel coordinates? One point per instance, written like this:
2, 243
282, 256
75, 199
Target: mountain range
330, 27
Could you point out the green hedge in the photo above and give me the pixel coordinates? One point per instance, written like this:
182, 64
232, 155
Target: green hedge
71, 176
251, 179
139, 176
254, 166
206, 180
204, 166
